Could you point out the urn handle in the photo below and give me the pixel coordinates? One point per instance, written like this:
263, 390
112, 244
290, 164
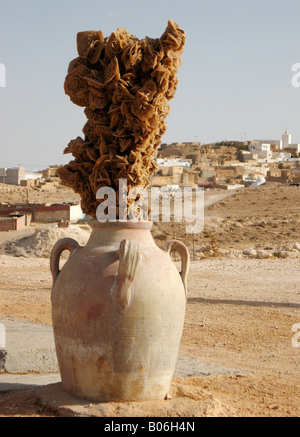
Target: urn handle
61, 245
178, 246
129, 259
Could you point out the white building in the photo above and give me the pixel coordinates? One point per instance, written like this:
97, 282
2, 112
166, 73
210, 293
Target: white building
271, 142
12, 176
261, 150
287, 144
179, 162
286, 140
34, 175
282, 156
295, 147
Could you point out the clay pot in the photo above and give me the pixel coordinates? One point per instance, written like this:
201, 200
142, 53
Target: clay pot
118, 307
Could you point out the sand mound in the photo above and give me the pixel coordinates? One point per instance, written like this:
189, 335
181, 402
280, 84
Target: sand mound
41, 242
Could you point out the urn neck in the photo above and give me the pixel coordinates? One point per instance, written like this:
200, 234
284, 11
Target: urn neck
111, 233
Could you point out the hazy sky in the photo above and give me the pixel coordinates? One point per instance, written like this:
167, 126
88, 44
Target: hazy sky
235, 81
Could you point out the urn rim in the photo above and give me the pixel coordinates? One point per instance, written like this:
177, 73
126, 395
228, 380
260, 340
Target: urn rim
129, 224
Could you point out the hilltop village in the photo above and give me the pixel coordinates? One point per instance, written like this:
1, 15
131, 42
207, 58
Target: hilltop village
225, 164
228, 164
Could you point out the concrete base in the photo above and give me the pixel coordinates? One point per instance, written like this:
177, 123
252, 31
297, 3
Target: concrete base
10, 382
29, 348
184, 401
186, 367
29, 363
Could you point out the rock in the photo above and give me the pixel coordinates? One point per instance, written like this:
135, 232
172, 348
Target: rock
281, 254
250, 252
297, 246
223, 252
237, 225
263, 254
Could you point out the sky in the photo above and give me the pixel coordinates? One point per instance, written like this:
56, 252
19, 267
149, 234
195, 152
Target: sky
235, 82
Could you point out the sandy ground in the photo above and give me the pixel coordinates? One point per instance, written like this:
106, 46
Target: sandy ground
240, 312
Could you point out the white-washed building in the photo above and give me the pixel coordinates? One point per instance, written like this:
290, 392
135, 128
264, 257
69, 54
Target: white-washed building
261, 150
178, 162
287, 142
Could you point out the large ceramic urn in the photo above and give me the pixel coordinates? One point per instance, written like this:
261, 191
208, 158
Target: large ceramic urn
118, 307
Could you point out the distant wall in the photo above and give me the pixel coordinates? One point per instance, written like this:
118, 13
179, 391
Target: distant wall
29, 182
160, 180
284, 179
51, 214
224, 172
14, 223
45, 213
7, 224
55, 213
208, 173
229, 186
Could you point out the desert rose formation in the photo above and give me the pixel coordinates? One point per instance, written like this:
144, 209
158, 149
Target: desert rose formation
124, 84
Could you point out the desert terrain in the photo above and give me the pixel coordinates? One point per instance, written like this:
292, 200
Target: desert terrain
243, 300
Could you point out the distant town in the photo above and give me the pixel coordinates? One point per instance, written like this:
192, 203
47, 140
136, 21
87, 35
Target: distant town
228, 164
225, 165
